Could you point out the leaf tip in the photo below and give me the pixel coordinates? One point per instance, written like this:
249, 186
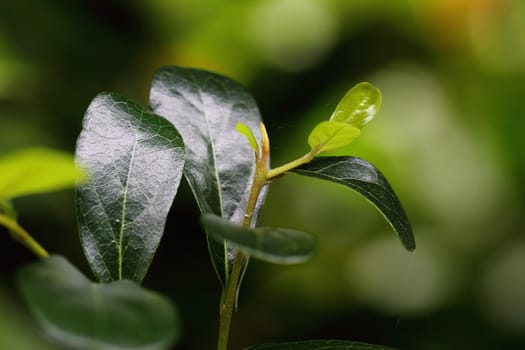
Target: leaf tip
410, 246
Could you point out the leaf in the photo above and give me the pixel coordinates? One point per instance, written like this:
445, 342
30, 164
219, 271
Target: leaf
36, 170
274, 245
246, 131
363, 177
354, 111
324, 344
206, 108
358, 106
327, 136
9, 210
85, 315
135, 161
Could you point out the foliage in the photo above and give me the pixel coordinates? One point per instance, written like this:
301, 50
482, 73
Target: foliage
90, 315
135, 162
201, 125
35, 170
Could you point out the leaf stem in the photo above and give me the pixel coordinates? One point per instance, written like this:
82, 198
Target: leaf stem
273, 173
307, 158
23, 236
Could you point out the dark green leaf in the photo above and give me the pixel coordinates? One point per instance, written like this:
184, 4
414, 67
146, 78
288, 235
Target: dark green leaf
85, 315
275, 245
359, 106
206, 108
319, 345
36, 170
363, 177
135, 161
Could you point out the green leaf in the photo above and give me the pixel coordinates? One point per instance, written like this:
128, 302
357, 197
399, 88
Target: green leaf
36, 170
135, 161
363, 177
85, 315
327, 136
324, 344
354, 111
206, 108
274, 245
358, 106
9, 210
246, 131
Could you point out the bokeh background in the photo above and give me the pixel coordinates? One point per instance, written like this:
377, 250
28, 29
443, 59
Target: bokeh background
450, 138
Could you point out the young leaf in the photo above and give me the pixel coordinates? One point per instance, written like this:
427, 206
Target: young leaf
319, 345
85, 315
246, 131
135, 161
364, 178
274, 245
206, 108
36, 170
358, 106
327, 136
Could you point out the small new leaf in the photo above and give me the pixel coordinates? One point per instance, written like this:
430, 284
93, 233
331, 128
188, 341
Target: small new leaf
84, 315
356, 109
246, 131
327, 136
274, 245
359, 106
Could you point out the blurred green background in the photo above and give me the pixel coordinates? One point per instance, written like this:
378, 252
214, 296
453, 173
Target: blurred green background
450, 138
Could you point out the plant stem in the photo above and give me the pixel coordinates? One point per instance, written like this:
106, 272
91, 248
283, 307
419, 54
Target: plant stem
261, 177
229, 293
228, 301
23, 236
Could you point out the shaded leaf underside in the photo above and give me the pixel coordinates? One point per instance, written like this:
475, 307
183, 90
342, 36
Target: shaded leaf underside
274, 245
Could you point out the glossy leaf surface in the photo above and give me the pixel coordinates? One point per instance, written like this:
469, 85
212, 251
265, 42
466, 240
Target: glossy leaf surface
275, 245
206, 108
135, 161
36, 170
327, 136
359, 106
85, 315
364, 178
319, 345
